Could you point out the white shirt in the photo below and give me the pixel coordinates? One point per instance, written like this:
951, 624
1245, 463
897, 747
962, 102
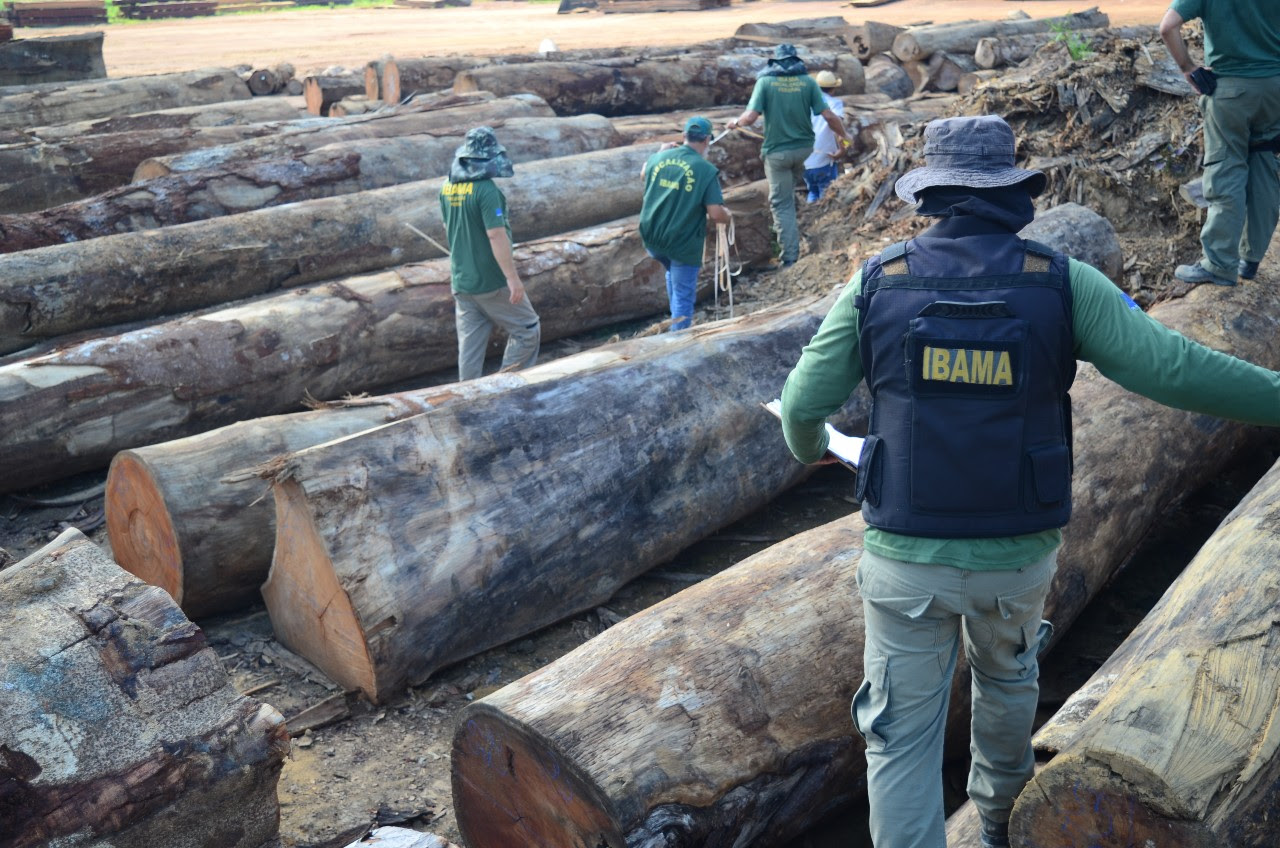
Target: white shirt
825, 143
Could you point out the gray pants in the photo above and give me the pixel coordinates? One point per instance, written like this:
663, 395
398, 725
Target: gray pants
1242, 188
785, 171
476, 315
914, 615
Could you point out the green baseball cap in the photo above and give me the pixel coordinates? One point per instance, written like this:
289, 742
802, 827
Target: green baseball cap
697, 128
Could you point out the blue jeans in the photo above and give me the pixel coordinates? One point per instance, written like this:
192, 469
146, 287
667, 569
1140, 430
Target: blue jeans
682, 290
817, 179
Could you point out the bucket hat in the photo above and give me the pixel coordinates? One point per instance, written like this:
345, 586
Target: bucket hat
971, 151
826, 79
783, 52
480, 157
697, 128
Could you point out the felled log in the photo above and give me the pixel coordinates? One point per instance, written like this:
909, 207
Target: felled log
121, 726
871, 39
176, 519
946, 69
597, 505
919, 43
65, 288
59, 103
886, 75
267, 356
373, 78
357, 104
328, 171
1082, 234
232, 112
1180, 746
728, 703
272, 80
431, 116
719, 716
60, 58
323, 91
995, 51
653, 85
968, 82
797, 29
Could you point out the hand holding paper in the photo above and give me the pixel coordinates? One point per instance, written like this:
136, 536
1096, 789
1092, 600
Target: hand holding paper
847, 449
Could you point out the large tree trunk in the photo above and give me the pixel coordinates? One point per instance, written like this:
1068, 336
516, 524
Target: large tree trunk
325, 172
73, 409
57, 103
321, 92
65, 288
919, 43
272, 80
232, 112
121, 727
561, 505
1180, 746
708, 673
798, 29
871, 38
718, 717
653, 85
995, 51
884, 74
59, 58
441, 114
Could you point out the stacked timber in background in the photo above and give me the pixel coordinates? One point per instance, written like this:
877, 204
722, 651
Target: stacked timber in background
700, 673
153, 746
175, 518
38, 13
60, 58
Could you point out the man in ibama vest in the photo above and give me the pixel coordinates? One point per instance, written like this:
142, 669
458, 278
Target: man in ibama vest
487, 288
967, 337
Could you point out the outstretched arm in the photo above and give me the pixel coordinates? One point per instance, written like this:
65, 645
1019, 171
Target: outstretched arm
746, 119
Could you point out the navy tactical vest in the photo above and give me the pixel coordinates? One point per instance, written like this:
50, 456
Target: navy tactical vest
967, 346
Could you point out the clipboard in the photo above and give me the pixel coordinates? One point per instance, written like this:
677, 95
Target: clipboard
845, 448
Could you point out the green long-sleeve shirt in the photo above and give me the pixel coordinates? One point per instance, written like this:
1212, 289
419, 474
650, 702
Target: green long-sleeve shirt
1123, 343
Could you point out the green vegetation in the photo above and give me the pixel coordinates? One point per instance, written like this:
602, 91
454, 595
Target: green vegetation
1076, 46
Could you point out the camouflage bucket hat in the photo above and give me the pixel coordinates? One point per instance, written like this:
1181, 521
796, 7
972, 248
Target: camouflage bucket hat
782, 52
480, 157
973, 152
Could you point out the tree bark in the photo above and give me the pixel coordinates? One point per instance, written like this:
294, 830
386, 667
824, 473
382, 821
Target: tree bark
321, 92
995, 51
120, 721
871, 39
272, 80
66, 288
798, 29
73, 409
234, 112
1082, 234
58, 103
715, 683
60, 58
1181, 747
554, 480
919, 43
730, 726
653, 85
968, 82
433, 116
884, 74
328, 171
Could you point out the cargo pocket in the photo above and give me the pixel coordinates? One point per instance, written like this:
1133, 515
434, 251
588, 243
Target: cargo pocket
1021, 610
1050, 474
871, 701
1035, 639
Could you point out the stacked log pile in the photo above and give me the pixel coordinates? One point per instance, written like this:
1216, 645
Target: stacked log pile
119, 720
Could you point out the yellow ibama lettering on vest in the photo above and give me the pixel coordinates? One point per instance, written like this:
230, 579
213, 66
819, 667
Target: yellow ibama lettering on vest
960, 365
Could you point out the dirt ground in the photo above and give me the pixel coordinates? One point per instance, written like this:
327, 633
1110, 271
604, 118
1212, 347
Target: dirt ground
312, 40
390, 764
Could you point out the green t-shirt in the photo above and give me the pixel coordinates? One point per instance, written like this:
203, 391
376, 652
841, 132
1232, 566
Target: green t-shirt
1241, 37
469, 211
1125, 344
678, 186
788, 105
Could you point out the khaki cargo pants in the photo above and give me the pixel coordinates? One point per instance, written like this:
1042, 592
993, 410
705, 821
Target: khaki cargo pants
476, 315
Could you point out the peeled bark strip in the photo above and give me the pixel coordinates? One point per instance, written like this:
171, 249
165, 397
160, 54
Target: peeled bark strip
919, 43
61, 104
706, 675
321, 92
547, 515
652, 85
871, 39
64, 288
719, 717
1181, 747
256, 184
73, 409
435, 116
121, 726
995, 51
59, 58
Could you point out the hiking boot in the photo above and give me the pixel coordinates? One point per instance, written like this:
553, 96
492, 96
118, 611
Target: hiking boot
994, 834
1248, 270
1199, 274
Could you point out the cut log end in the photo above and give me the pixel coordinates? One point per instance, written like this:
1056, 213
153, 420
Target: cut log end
1110, 811
143, 539
372, 82
150, 169
310, 610
511, 787
390, 82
